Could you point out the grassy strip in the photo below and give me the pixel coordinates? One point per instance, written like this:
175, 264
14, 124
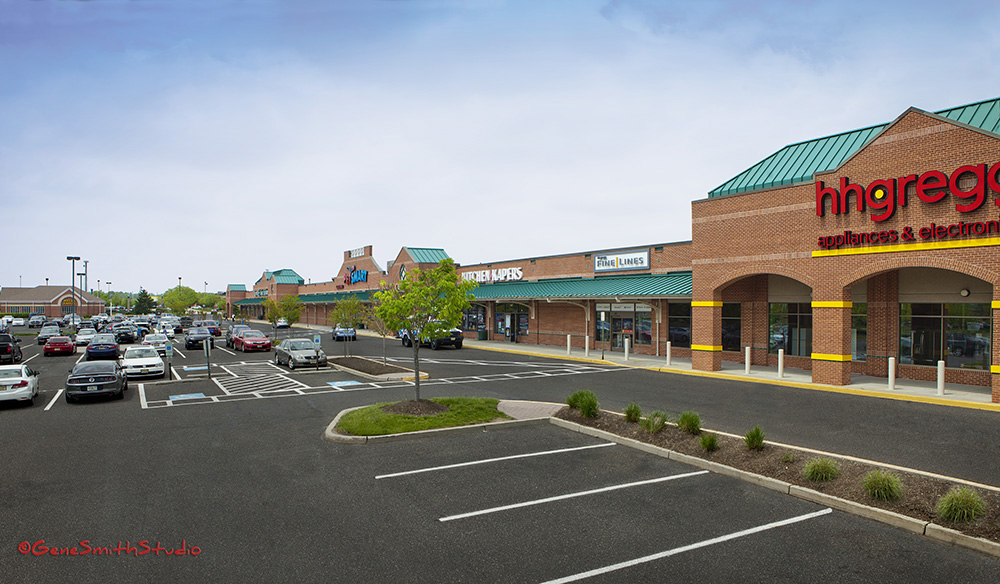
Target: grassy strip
372, 421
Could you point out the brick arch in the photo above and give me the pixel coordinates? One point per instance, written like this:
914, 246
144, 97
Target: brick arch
916, 261
759, 270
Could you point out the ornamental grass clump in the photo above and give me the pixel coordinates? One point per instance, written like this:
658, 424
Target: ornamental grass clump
821, 469
655, 421
710, 442
883, 485
689, 422
586, 402
633, 412
755, 438
960, 504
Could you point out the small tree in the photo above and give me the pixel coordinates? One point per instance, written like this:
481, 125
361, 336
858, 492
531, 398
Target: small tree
348, 312
272, 312
375, 323
427, 304
291, 309
143, 303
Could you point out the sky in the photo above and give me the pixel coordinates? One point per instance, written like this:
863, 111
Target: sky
211, 140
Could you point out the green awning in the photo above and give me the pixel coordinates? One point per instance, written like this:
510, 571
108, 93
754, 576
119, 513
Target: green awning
672, 285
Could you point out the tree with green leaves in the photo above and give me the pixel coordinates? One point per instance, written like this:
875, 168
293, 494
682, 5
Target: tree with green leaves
375, 323
348, 312
143, 303
427, 303
272, 312
290, 308
178, 299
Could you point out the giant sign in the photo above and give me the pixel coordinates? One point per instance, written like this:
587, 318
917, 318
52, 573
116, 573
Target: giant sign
884, 196
497, 275
620, 262
354, 275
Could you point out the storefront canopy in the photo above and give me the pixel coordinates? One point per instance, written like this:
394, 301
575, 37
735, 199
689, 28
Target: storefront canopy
673, 285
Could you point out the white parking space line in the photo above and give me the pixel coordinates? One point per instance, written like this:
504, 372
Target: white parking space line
687, 548
294, 381
82, 357
176, 352
224, 368
58, 393
28, 359
174, 371
218, 348
571, 496
142, 395
489, 460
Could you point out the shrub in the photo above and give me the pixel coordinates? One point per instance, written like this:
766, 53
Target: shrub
689, 422
883, 485
710, 442
633, 412
788, 457
821, 469
573, 400
654, 422
755, 438
960, 504
589, 408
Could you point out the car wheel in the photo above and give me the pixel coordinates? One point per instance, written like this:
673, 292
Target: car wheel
69, 399
18, 358
407, 342
276, 360
435, 345
121, 394
458, 345
31, 402
291, 363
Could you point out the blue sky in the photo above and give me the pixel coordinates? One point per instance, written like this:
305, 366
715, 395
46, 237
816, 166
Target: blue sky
214, 139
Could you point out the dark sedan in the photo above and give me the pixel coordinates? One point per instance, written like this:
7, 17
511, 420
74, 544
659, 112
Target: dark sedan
96, 378
48, 331
102, 346
125, 333
197, 336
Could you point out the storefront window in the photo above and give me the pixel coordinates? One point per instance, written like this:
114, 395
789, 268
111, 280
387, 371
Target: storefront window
732, 327
643, 328
474, 318
790, 328
679, 323
859, 331
958, 334
511, 315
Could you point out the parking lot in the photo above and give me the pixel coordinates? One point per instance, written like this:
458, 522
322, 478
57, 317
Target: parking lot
244, 475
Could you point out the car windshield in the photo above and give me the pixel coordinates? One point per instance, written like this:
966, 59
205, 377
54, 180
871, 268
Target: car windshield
6, 338
49, 329
98, 339
10, 373
300, 346
87, 332
90, 368
253, 335
156, 338
140, 353
198, 331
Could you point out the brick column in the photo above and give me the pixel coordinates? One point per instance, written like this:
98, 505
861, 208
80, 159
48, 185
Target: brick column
995, 362
883, 323
831, 357
706, 335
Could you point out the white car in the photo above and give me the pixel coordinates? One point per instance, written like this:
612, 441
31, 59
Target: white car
142, 361
167, 331
84, 336
159, 341
17, 322
18, 383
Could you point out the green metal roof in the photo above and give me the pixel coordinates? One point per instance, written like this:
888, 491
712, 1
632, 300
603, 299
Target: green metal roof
651, 286
797, 163
248, 301
427, 255
284, 276
238, 287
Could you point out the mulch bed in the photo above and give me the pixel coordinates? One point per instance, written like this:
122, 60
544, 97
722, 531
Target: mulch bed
920, 492
366, 365
412, 407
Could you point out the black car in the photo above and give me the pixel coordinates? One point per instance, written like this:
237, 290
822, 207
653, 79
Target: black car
196, 337
452, 337
9, 349
92, 378
102, 346
125, 334
48, 331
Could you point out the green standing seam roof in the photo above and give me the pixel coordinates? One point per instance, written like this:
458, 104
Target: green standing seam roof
324, 297
248, 301
427, 255
644, 286
797, 163
238, 287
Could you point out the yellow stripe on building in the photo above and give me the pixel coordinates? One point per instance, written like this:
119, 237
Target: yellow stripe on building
830, 357
710, 303
831, 304
706, 347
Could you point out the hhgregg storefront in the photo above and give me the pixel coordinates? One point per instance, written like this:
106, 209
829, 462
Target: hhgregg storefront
848, 250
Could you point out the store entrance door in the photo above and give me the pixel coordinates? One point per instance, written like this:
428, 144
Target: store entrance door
621, 329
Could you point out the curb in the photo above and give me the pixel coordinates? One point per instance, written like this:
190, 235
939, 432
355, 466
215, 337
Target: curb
331, 435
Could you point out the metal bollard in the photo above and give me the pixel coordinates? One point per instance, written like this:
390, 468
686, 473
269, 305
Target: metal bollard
746, 367
940, 379
626, 349
586, 346
568, 345
781, 363
668, 353
892, 373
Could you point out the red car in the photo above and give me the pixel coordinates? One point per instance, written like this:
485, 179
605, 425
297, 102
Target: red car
59, 346
251, 340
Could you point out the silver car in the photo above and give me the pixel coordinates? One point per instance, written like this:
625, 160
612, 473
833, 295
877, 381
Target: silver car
84, 336
299, 353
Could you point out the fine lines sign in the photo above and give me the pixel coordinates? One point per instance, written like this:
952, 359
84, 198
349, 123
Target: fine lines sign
620, 262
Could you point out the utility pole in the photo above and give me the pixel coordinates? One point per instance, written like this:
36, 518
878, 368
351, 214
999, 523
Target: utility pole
86, 282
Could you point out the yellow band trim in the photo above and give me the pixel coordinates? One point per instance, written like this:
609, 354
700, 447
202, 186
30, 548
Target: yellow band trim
706, 347
829, 357
710, 303
996, 304
995, 369
831, 304
820, 253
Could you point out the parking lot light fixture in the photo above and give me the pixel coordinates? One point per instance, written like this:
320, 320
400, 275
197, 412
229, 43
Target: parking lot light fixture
72, 285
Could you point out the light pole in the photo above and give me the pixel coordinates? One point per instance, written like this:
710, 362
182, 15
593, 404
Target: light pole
206, 287
178, 281
72, 284
86, 282
110, 304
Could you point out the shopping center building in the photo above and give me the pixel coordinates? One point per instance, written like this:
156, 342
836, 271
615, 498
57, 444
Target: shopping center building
841, 252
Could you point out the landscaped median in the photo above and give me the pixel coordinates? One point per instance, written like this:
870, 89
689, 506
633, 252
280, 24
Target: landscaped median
948, 510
